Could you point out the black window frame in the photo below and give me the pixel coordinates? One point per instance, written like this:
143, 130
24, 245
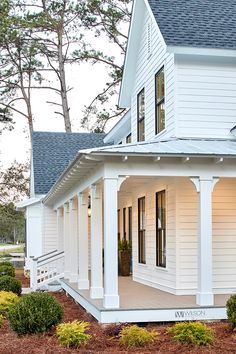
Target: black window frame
141, 232
128, 138
142, 119
118, 224
124, 223
158, 129
161, 230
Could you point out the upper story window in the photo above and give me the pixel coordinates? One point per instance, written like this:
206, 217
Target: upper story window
141, 115
160, 100
149, 39
128, 139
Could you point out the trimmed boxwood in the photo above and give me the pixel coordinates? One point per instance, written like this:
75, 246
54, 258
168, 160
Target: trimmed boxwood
8, 283
7, 263
231, 310
6, 269
35, 313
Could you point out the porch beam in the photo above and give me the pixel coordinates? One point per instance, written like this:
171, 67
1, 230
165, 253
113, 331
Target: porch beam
83, 281
96, 289
111, 297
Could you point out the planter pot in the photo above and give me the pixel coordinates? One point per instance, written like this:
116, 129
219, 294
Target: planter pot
125, 257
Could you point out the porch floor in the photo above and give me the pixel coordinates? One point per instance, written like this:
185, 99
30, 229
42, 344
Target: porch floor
134, 295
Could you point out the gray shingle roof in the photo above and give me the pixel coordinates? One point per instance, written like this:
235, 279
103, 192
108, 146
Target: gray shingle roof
197, 23
52, 152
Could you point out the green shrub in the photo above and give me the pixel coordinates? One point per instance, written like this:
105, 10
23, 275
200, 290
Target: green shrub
134, 336
6, 263
8, 283
72, 334
35, 313
192, 333
231, 310
7, 270
7, 299
1, 320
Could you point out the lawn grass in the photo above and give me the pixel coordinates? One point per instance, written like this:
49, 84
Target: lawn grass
17, 249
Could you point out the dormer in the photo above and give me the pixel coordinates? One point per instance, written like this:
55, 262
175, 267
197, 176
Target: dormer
180, 69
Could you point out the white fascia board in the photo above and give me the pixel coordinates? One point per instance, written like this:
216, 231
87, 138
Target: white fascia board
131, 53
202, 51
132, 49
122, 128
30, 201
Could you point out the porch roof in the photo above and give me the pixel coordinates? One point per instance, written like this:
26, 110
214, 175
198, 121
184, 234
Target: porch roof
171, 147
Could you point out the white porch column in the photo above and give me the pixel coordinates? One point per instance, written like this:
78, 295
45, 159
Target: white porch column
111, 297
83, 281
204, 187
60, 227
73, 244
66, 233
96, 289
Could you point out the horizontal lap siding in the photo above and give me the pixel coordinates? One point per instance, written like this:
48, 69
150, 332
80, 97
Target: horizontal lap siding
145, 78
160, 278
206, 99
186, 229
50, 230
224, 234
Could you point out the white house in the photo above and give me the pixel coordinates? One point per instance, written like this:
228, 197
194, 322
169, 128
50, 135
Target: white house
168, 183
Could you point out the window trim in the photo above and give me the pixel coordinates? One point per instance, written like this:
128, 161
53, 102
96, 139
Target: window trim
157, 104
143, 119
118, 224
158, 264
124, 224
140, 261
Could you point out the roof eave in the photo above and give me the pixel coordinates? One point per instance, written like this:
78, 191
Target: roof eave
215, 52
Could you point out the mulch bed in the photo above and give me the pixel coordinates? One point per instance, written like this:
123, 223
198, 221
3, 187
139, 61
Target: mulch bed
101, 342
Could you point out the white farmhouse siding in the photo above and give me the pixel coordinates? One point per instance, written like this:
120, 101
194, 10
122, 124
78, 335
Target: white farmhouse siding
149, 274
224, 236
34, 245
146, 68
50, 235
205, 99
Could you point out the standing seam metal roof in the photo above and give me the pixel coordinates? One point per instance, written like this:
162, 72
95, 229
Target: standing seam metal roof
53, 152
196, 23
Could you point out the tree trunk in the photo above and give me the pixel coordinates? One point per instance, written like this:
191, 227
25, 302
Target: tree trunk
64, 101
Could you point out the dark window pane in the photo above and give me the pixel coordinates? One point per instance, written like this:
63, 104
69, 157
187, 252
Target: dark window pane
141, 115
161, 229
160, 101
141, 231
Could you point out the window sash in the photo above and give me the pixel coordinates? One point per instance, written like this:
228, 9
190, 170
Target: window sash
160, 100
141, 231
124, 223
161, 229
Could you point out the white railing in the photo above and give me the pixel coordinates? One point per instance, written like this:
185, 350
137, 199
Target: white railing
46, 268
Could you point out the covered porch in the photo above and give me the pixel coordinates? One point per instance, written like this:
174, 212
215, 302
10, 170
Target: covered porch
200, 210
141, 303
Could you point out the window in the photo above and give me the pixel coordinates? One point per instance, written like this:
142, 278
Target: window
118, 223
128, 139
120, 143
130, 223
160, 101
141, 231
124, 223
161, 229
149, 39
141, 115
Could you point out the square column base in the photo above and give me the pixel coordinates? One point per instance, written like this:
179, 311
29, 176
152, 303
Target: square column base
83, 284
205, 299
111, 301
96, 293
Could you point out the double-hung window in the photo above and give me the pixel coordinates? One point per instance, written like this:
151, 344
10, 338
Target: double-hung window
160, 100
161, 229
141, 231
141, 115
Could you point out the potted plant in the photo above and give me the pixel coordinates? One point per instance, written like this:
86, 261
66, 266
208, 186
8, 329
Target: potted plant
124, 248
